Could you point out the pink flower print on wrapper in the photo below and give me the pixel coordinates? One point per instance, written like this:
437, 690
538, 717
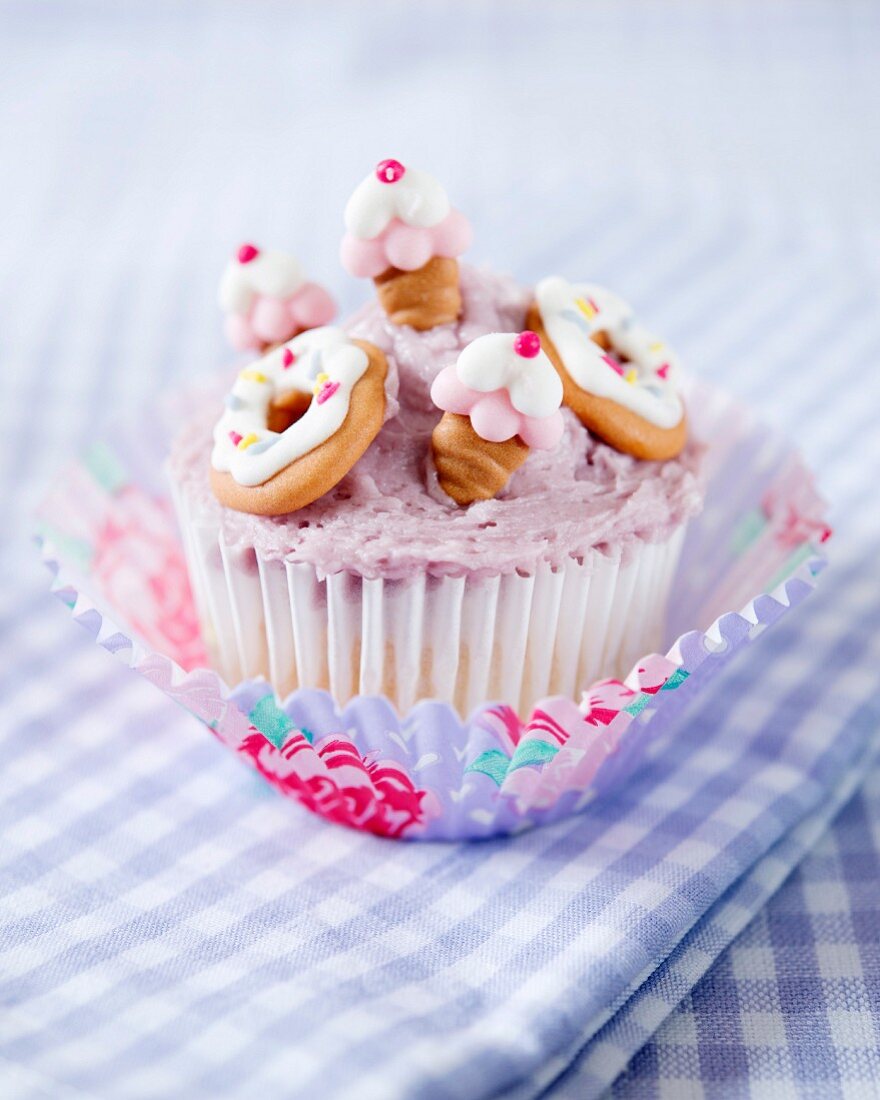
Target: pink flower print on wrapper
137, 565
332, 779
267, 300
501, 398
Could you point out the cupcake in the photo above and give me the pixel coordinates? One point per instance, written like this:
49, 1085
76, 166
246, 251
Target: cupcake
470, 491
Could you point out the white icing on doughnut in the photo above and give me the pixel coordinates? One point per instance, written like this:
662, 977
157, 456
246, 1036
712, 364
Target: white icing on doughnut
646, 384
325, 364
273, 274
491, 363
415, 198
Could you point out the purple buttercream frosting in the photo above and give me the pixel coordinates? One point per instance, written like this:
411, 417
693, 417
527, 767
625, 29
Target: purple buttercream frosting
389, 518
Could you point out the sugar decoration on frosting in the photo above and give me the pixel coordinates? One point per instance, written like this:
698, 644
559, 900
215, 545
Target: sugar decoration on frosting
399, 222
507, 386
638, 371
400, 217
392, 191
266, 299
322, 364
500, 398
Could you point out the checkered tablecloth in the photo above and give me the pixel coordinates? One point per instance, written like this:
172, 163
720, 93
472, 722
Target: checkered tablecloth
792, 1008
168, 926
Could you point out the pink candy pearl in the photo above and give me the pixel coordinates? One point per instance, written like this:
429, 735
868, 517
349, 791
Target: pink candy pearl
527, 344
389, 171
247, 252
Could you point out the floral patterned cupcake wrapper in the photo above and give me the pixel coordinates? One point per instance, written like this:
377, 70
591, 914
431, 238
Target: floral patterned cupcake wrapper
109, 535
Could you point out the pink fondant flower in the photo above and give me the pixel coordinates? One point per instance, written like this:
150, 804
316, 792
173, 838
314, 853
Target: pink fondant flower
276, 320
493, 415
406, 247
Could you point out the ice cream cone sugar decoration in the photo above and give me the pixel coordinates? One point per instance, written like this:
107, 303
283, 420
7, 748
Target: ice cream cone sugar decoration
501, 398
402, 232
267, 299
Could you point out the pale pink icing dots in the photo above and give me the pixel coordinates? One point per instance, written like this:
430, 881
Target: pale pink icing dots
400, 217
267, 299
507, 386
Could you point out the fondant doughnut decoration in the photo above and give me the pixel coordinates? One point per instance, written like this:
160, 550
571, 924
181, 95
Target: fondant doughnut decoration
500, 398
403, 234
618, 378
267, 299
296, 421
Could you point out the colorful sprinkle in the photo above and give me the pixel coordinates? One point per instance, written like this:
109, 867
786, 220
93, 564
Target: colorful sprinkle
247, 252
615, 366
315, 362
287, 358
250, 438
527, 344
263, 445
235, 437
631, 375
656, 346
663, 371
251, 375
327, 391
587, 306
389, 171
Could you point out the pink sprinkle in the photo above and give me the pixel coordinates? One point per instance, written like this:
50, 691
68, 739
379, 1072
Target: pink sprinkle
613, 364
287, 358
663, 371
527, 344
826, 534
389, 171
236, 438
327, 391
247, 252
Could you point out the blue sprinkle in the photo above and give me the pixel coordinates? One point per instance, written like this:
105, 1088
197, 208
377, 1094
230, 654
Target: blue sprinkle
316, 363
262, 445
233, 403
576, 319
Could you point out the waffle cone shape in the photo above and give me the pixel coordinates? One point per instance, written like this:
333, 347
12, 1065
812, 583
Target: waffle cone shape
469, 467
423, 298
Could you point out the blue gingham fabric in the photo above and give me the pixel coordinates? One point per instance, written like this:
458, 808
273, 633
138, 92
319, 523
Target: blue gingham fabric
793, 1006
168, 926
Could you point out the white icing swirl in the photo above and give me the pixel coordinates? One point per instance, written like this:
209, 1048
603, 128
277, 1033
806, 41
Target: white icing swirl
325, 364
416, 198
646, 383
491, 363
270, 273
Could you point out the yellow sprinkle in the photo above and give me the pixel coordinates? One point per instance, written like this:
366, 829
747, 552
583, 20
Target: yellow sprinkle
630, 376
323, 377
656, 346
250, 438
585, 308
251, 375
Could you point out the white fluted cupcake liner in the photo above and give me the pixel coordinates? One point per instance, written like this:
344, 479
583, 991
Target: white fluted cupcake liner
513, 638
110, 536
